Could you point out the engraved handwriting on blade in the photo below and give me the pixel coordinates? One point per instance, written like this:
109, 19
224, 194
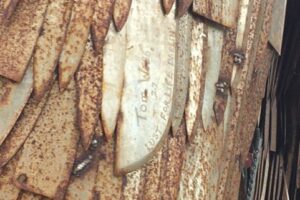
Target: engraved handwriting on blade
184, 34
76, 38
51, 147
182, 7
167, 5
23, 28
120, 13
101, 21
197, 68
147, 99
13, 97
21, 129
88, 89
224, 12
113, 76
49, 45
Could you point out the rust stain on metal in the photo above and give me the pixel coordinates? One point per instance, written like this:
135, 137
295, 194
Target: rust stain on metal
51, 147
182, 7
120, 13
172, 160
76, 39
108, 185
114, 57
223, 90
49, 45
82, 183
21, 129
250, 87
18, 37
29, 196
9, 8
101, 22
13, 98
133, 184
7, 189
224, 12
167, 5
197, 71
182, 69
88, 89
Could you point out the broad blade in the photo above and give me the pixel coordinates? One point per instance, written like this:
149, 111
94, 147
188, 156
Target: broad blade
147, 100
13, 97
47, 157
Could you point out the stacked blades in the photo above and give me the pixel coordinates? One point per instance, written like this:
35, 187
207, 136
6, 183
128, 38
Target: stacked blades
126, 99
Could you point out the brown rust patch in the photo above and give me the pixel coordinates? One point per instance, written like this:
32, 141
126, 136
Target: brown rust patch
182, 7
18, 37
167, 5
101, 21
88, 91
120, 13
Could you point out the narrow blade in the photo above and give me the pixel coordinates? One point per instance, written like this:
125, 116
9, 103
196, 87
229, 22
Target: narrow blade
49, 45
183, 56
88, 89
76, 39
114, 54
120, 13
101, 21
23, 28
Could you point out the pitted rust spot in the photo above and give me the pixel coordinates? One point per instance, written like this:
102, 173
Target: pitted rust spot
22, 178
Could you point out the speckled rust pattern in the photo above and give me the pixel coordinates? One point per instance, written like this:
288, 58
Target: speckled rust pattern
7, 189
21, 129
9, 8
88, 89
76, 39
120, 13
83, 186
29, 196
172, 160
49, 152
101, 21
49, 44
108, 186
18, 37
